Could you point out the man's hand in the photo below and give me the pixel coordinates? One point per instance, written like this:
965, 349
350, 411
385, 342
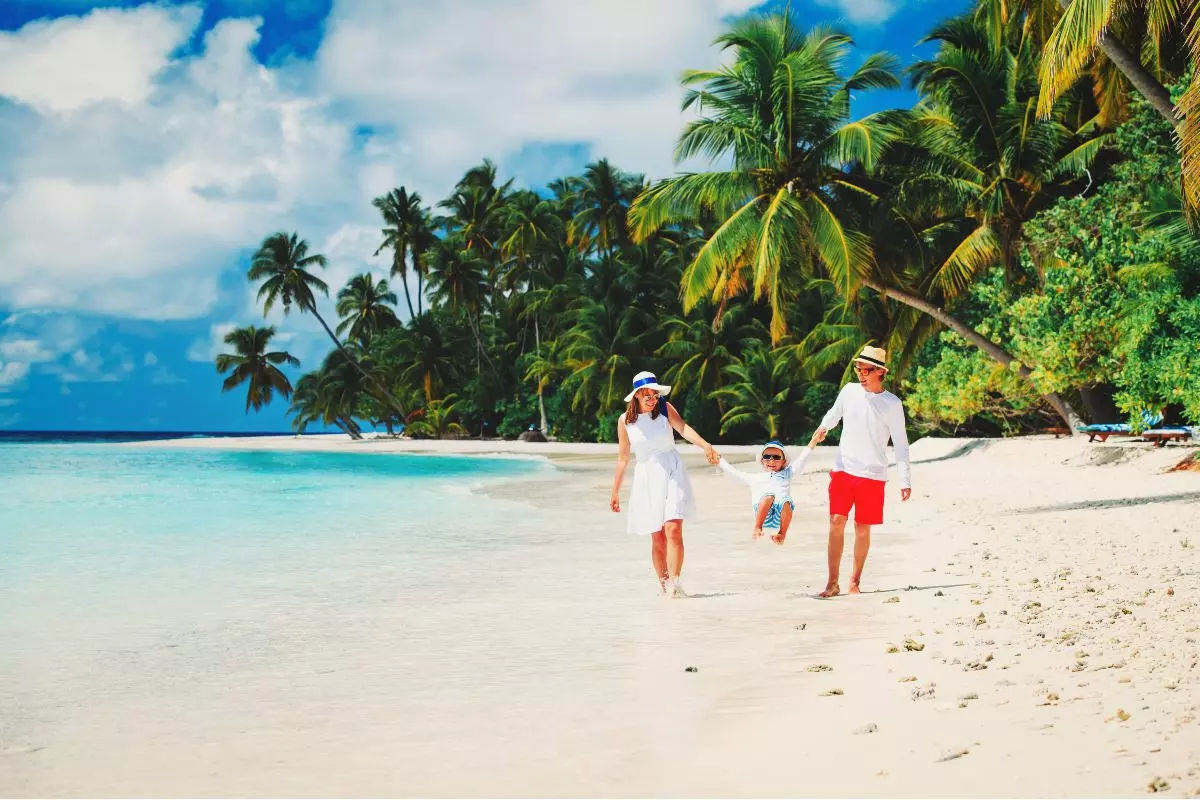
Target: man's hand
818, 437
905, 494
615, 503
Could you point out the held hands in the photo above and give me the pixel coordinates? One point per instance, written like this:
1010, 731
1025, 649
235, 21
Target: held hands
712, 455
905, 494
615, 503
817, 437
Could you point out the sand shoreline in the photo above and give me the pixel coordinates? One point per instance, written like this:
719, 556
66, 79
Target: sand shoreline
1029, 628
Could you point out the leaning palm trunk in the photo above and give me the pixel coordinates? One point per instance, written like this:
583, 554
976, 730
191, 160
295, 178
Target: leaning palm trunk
383, 395
990, 348
1137, 75
537, 340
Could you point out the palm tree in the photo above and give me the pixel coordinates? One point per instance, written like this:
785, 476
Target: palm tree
532, 224
251, 364
282, 263
602, 196
779, 112
1161, 29
422, 355
760, 384
436, 421
700, 352
984, 151
407, 231
475, 209
363, 306
600, 349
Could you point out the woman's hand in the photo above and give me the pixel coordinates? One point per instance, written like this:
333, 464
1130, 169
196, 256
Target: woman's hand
712, 455
615, 503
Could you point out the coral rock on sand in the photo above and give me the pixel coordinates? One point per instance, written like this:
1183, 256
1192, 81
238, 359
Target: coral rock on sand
832, 693
820, 668
870, 727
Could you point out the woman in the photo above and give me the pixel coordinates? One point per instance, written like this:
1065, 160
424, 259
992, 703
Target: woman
661, 498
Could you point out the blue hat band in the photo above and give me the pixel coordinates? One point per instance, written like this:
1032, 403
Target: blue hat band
644, 382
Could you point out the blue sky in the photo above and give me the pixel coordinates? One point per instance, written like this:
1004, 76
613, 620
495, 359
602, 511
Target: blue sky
148, 147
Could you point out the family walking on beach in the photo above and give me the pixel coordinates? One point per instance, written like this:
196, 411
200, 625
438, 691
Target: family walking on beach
661, 497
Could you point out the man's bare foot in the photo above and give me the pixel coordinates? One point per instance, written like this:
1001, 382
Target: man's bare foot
854, 589
779, 538
757, 533
832, 590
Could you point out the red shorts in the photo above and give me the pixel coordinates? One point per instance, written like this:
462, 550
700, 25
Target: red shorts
864, 494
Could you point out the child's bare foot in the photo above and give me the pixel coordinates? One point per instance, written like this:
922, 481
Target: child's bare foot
757, 533
831, 590
779, 538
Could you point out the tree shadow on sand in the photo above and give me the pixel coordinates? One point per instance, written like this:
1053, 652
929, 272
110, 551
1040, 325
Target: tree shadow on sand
1112, 502
909, 588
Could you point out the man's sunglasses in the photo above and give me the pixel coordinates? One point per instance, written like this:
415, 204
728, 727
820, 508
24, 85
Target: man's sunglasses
772, 458
866, 370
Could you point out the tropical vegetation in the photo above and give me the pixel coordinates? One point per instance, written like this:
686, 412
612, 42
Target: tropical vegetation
1020, 240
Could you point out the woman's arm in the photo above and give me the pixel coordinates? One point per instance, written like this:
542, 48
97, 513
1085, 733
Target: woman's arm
689, 433
622, 462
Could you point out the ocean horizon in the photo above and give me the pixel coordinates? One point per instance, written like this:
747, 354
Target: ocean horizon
122, 436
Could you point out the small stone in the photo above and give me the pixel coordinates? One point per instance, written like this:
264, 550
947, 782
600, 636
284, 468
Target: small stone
892, 599
891, 648
690, 669
820, 668
1170, 592
939, 593
953, 754
832, 693
870, 727
970, 696
907, 679
1157, 785
924, 693
802, 626
912, 645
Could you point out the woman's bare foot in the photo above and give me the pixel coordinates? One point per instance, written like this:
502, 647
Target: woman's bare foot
832, 590
779, 538
757, 533
854, 589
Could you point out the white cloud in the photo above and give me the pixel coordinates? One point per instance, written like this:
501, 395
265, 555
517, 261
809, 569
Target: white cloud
207, 350
38, 338
133, 177
458, 81
864, 12
70, 62
149, 359
134, 209
11, 373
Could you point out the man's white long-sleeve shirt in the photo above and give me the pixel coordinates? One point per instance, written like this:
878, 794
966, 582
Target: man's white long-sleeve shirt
868, 421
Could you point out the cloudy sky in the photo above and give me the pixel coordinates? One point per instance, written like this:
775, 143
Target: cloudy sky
147, 148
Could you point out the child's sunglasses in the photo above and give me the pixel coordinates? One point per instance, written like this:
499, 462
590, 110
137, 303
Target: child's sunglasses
772, 457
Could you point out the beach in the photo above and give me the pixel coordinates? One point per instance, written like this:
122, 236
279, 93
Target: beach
1029, 627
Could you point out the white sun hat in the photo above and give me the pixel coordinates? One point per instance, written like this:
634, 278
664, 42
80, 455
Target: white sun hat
647, 380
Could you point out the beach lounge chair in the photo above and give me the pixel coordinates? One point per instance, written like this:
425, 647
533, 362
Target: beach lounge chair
1104, 430
1160, 436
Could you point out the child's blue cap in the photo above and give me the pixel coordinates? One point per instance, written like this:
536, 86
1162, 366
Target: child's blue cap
773, 444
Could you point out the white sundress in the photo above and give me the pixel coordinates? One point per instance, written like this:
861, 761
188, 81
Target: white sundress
661, 489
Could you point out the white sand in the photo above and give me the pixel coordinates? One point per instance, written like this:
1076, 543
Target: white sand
1054, 586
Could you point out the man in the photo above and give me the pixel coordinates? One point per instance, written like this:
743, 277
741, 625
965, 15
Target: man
869, 416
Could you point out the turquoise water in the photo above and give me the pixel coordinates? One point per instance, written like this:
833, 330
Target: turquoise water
100, 530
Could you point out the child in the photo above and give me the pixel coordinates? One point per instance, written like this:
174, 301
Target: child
771, 489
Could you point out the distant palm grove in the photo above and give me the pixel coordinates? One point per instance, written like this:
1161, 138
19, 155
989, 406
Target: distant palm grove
1021, 242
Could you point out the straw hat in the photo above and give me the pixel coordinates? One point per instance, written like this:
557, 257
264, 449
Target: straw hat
646, 380
875, 356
